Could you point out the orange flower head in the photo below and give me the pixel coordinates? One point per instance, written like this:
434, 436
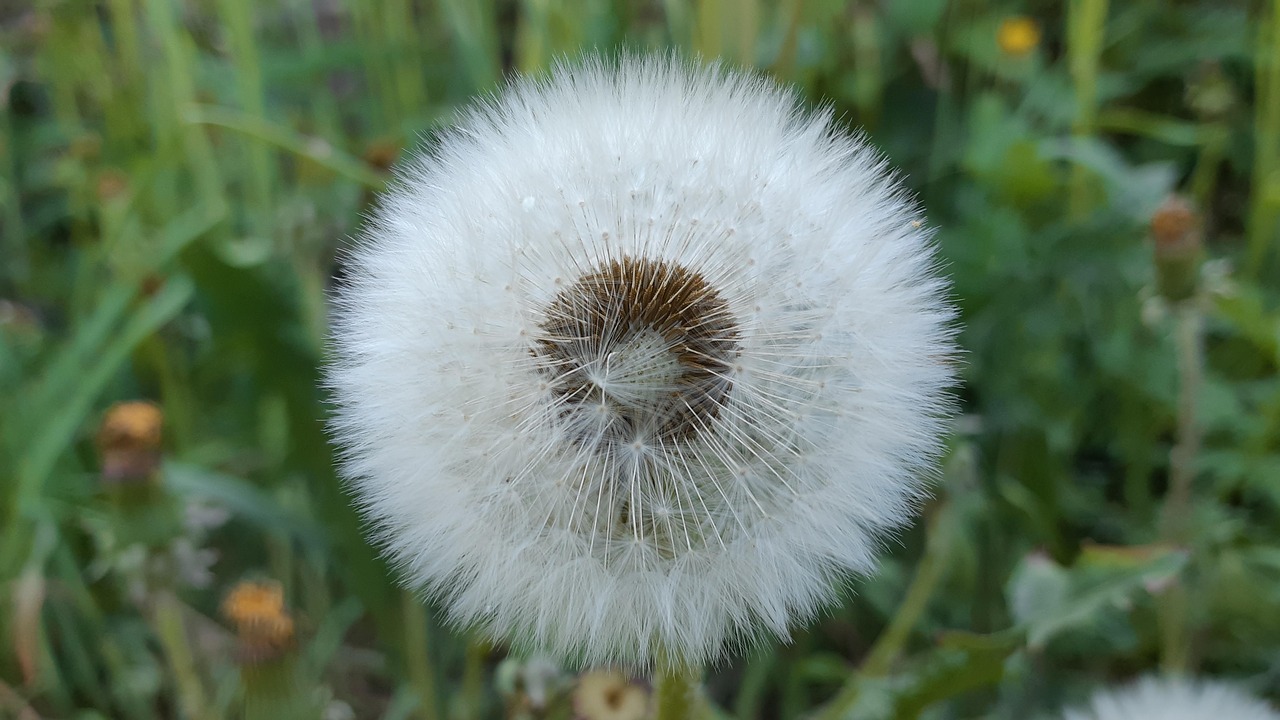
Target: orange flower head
263, 627
129, 441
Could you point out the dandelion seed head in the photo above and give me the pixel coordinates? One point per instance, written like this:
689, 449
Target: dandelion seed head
641, 357
1152, 698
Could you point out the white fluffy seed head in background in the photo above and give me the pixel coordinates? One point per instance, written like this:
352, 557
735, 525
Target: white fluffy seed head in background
641, 359
1154, 698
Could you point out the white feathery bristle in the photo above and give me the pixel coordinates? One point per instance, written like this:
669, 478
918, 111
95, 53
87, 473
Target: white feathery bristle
641, 358
1153, 698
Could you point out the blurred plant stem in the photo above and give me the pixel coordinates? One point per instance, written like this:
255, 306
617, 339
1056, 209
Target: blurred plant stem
167, 617
473, 678
1264, 208
1086, 30
675, 687
1175, 653
417, 656
887, 648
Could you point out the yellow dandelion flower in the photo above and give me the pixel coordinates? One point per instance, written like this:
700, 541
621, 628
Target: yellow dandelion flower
263, 627
1018, 36
129, 441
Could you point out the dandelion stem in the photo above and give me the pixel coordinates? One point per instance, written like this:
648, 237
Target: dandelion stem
173, 637
1176, 521
887, 648
417, 660
473, 679
1086, 29
675, 686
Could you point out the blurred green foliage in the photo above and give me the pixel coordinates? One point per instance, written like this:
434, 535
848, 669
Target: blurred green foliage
176, 177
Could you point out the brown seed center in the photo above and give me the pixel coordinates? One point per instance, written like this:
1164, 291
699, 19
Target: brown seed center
638, 351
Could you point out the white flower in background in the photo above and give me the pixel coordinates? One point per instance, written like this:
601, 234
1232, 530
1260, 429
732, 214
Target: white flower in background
1174, 699
641, 358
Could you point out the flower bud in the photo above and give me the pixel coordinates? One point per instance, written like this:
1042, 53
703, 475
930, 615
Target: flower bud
1179, 248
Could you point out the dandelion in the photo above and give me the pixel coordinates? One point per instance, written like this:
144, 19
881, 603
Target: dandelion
129, 441
1017, 36
264, 629
609, 695
274, 682
641, 361
1174, 699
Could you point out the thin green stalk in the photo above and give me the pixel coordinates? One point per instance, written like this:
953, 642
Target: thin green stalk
675, 688
1176, 522
746, 26
472, 24
473, 679
533, 31
1264, 209
398, 24
865, 35
167, 616
417, 656
378, 75
320, 153
237, 16
1086, 30
879, 660
755, 681
179, 94
709, 35
790, 11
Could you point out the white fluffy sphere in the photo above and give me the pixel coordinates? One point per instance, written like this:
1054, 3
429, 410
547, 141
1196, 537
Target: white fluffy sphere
1154, 698
640, 359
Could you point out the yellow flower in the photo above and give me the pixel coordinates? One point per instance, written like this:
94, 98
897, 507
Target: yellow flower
1018, 36
263, 626
129, 441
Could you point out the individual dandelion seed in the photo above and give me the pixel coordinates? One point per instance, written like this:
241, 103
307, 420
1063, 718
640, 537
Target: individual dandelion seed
640, 361
1152, 698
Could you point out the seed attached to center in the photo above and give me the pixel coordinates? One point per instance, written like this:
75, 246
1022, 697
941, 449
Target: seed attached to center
638, 351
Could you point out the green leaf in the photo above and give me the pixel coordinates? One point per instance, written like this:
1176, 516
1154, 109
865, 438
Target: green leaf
1048, 599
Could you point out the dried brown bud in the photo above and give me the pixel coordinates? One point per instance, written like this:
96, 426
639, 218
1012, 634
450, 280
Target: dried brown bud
111, 184
1179, 246
129, 441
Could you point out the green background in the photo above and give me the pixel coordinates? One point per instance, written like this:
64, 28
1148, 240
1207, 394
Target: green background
175, 178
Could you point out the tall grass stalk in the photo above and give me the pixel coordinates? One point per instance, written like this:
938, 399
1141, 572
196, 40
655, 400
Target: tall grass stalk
1264, 210
1086, 31
1175, 656
418, 665
171, 630
929, 572
237, 16
174, 96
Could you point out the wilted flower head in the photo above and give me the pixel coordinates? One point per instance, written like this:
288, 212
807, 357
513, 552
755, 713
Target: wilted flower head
1174, 699
641, 359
